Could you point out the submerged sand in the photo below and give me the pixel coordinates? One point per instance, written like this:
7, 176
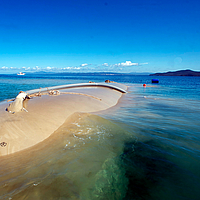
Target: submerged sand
78, 161
47, 113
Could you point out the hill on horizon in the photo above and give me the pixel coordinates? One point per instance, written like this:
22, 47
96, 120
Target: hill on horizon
186, 72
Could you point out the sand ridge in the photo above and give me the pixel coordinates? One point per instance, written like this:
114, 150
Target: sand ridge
46, 113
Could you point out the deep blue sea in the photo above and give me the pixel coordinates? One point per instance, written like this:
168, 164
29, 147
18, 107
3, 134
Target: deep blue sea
145, 148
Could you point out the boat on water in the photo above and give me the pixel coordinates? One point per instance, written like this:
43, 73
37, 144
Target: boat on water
21, 73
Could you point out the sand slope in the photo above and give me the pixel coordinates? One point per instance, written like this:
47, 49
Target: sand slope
47, 113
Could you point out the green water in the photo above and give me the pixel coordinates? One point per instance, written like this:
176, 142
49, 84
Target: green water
79, 161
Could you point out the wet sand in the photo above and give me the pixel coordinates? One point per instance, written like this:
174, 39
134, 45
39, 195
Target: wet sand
78, 161
47, 113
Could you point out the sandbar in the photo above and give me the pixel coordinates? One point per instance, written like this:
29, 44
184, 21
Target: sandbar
44, 114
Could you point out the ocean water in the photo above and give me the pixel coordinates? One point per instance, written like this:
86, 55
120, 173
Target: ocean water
146, 147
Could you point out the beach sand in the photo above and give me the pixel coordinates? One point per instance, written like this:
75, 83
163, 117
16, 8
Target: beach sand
47, 113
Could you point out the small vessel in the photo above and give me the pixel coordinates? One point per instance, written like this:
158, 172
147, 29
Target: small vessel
154, 81
21, 73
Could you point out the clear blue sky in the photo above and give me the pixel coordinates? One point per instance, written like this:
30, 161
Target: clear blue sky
96, 35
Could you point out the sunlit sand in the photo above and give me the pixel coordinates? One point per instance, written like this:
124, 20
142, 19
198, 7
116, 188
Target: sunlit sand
29, 122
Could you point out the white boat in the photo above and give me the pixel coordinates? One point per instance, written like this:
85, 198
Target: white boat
21, 73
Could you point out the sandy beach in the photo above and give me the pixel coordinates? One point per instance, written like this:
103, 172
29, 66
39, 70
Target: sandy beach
46, 113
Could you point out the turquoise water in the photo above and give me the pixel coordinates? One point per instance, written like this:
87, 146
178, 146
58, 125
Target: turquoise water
148, 147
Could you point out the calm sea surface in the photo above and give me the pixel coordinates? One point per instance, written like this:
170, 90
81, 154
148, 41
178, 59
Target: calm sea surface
148, 147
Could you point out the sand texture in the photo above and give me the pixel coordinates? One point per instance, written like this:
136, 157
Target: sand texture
46, 113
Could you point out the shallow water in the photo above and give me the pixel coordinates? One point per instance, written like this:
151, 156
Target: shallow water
166, 159
147, 147
79, 161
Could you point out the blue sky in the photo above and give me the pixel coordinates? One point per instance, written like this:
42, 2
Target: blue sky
89, 35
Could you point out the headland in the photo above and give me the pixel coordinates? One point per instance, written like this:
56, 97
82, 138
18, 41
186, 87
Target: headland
178, 73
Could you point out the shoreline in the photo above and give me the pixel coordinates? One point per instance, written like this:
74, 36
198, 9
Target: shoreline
47, 113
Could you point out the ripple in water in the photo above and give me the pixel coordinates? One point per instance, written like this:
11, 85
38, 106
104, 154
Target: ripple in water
81, 160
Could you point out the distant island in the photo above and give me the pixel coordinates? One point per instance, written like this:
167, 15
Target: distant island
178, 73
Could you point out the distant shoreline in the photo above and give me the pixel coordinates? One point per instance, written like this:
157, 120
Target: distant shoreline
178, 73
170, 73
78, 74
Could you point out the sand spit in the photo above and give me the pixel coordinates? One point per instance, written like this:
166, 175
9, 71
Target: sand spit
45, 112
